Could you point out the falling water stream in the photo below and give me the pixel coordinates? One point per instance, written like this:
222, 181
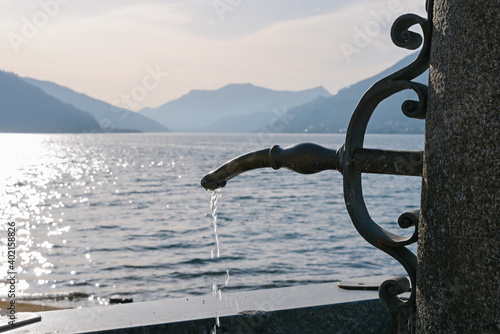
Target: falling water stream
215, 252
214, 198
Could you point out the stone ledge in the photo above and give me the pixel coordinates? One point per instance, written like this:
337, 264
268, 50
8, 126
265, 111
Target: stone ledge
319, 308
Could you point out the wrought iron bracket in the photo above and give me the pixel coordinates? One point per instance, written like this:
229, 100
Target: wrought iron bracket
352, 159
386, 241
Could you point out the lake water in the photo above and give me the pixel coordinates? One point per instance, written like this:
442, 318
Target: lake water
99, 215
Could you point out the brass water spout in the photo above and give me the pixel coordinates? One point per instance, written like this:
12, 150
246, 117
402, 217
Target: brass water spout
310, 158
304, 158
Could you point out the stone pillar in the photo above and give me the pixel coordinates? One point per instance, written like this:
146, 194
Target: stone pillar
458, 276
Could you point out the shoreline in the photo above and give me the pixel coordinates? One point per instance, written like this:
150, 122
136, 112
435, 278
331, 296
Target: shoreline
27, 307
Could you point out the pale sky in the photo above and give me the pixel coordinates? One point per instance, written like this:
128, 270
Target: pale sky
156, 51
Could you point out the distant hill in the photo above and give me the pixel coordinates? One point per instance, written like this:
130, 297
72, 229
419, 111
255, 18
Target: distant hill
235, 107
30, 105
27, 109
110, 118
332, 114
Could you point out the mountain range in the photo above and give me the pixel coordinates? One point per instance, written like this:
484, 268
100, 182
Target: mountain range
332, 114
30, 105
109, 117
27, 109
232, 108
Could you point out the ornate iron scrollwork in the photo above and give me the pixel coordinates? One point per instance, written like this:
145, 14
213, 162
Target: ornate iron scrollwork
392, 244
352, 159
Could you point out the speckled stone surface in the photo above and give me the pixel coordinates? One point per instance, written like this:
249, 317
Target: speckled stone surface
351, 318
458, 280
318, 308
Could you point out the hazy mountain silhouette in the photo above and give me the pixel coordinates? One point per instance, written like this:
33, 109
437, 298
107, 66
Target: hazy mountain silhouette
110, 118
229, 108
30, 105
332, 114
27, 109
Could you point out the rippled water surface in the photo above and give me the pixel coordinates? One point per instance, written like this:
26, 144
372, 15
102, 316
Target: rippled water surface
99, 215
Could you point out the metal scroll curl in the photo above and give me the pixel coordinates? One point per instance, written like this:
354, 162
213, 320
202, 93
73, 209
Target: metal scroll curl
390, 243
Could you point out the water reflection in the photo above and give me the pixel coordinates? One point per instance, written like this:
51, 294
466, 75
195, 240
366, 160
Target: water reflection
27, 197
125, 214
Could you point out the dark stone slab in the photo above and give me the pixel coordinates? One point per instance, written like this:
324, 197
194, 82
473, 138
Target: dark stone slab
319, 308
356, 317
